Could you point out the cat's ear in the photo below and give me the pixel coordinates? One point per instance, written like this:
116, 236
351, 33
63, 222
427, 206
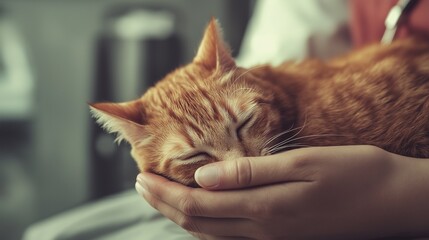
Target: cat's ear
125, 119
213, 52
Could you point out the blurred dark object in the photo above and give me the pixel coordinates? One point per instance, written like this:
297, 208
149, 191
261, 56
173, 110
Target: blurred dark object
17, 196
17, 202
137, 47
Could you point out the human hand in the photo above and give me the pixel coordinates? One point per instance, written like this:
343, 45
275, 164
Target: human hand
350, 192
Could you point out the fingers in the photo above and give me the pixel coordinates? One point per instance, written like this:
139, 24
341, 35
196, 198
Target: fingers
199, 202
246, 172
230, 227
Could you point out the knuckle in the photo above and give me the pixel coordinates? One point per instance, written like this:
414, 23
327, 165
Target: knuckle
381, 157
188, 224
188, 205
373, 150
301, 162
244, 172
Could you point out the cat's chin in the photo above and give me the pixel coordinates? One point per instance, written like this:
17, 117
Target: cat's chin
190, 183
193, 185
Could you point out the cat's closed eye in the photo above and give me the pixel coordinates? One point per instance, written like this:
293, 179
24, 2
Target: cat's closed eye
241, 127
194, 156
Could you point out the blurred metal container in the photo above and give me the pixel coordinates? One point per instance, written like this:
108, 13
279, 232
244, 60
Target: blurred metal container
137, 47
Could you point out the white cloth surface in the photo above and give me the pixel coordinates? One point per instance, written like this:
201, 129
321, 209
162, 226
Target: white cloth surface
123, 216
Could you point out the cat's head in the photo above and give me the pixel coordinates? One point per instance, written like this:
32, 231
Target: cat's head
209, 110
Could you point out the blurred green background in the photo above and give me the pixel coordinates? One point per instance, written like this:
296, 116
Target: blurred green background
55, 57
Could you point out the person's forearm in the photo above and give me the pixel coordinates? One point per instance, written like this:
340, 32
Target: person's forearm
412, 193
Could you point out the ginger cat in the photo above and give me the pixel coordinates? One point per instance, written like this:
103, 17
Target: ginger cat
212, 110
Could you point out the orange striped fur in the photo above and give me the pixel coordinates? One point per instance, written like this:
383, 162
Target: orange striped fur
211, 110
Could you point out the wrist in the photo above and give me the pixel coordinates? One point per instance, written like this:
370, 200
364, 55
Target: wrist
410, 193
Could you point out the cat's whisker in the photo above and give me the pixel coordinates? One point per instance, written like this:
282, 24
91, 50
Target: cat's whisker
304, 137
314, 136
287, 146
276, 136
291, 139
291, 129
296, 134
269, 152
287, 131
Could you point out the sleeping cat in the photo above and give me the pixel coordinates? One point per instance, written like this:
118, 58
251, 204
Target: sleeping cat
212, 110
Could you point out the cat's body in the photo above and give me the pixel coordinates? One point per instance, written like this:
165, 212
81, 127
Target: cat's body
377, 96
211, 110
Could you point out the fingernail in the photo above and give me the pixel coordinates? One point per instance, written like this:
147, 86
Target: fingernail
208, 176
140, 179
140, 190
141, 185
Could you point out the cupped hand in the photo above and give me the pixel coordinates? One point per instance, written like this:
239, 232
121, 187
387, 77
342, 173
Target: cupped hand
349, 192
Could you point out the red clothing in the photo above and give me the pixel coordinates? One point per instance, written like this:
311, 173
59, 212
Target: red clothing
367, 20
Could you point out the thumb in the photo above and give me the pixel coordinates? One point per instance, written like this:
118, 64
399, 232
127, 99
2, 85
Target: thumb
254, 171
